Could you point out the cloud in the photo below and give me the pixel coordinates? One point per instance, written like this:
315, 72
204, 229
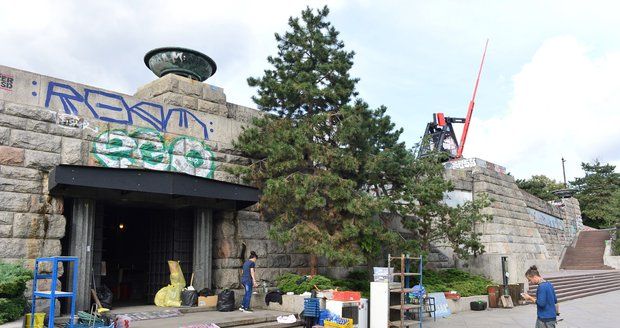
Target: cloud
103, 43
565, 103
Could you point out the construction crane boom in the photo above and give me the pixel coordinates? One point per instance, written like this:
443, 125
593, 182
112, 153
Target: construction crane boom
470, 110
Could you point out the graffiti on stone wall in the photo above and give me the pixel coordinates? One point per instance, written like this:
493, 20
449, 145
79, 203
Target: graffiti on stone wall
114, 108
471, 162
6, 82
546, 219
148, 148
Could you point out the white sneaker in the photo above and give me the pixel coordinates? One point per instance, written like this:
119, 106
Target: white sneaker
241, 309
247, 311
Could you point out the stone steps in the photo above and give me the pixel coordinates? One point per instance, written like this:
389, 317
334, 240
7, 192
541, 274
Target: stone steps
587, 253
577, 286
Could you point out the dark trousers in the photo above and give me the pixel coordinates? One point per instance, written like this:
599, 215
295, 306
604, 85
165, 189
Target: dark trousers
543, 324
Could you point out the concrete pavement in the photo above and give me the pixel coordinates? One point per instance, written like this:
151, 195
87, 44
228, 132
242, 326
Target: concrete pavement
601, 311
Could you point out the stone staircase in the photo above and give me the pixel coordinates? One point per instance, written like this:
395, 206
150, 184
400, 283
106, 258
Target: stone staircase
581, 285
587, 253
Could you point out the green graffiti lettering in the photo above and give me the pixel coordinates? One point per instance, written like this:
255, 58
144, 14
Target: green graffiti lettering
148, 148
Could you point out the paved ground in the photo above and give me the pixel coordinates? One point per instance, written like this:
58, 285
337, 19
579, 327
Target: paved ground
204, 317
190, 318
601, 311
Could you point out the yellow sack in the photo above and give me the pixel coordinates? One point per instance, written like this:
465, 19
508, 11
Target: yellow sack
171, 294
176, 275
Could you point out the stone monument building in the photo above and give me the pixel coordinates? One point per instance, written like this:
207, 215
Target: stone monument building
128, 182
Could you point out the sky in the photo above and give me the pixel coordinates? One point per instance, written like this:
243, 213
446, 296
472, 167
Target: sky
550, 86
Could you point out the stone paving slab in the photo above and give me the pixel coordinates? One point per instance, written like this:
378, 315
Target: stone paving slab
601, 311
187, 319
225, 319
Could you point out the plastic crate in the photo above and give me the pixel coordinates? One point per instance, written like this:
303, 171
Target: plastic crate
312, 307
348, 324
347, 296
323, 315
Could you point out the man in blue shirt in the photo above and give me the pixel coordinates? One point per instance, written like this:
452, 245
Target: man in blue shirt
546, 301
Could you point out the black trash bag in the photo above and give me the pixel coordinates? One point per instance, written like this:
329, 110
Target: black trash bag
189, 298
226, 301
105, 296
206, 292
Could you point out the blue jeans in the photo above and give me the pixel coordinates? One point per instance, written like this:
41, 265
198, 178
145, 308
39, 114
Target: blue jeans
248, 294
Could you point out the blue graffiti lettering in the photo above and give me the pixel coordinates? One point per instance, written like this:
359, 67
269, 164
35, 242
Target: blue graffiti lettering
154, 116
65, 99
106, 106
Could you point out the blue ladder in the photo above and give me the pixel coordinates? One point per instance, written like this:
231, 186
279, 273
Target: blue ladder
53, 294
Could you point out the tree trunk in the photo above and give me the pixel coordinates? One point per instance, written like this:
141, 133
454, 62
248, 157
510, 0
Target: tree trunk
314, 265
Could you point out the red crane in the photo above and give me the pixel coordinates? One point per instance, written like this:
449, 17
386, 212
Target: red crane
439, 134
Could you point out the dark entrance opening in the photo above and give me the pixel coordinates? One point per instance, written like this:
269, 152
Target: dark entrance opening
133, 246
165, 216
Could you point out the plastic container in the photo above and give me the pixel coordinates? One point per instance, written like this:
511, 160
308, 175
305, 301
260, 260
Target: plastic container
347, 296
39, 318
312, 307
324, 315
478, 305
382, 271
381, 278
348, 324
493, 292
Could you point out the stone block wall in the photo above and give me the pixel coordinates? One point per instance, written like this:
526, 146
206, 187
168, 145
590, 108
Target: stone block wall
524, 228
233, 230
171, 124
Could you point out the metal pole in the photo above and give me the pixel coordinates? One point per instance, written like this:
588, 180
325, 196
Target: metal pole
504, 271
564, 172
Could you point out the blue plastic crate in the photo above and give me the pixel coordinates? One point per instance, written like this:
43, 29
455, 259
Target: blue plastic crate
312, 307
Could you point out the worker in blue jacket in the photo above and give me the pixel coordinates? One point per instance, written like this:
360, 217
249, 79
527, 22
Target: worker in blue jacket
546, 301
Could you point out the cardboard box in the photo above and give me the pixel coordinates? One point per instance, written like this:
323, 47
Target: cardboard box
208, 301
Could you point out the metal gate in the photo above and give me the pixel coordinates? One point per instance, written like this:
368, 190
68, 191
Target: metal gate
170, 238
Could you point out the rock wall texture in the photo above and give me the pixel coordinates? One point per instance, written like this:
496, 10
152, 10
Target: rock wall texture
524, 228
171, 124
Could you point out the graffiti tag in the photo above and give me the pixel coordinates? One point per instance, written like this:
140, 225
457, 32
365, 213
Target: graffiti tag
111, 107
149, 149
6, 82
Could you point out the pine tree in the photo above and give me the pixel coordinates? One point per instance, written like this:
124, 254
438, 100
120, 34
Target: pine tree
332, 171
431, 220
596, 192
310, 75
540, 186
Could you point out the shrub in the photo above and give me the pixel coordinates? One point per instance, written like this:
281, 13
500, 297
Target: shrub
11, 308
290, 282
357, 280
464, 283
13, 279
616, 247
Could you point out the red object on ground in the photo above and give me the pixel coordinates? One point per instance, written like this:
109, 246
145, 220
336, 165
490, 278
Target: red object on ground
452, 296
347, 296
